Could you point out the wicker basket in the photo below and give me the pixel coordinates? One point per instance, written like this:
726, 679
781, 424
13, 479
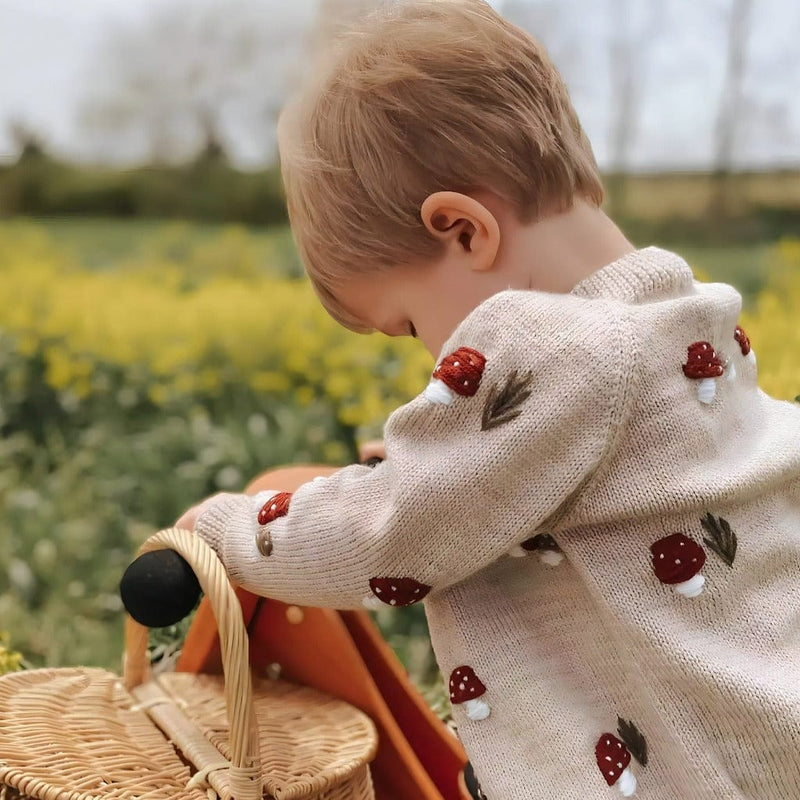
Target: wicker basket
85, 734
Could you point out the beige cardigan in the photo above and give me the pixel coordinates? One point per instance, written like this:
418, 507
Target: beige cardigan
651, 625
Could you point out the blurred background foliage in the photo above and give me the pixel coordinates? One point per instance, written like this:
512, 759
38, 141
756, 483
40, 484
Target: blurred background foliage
159, 342
207, 188
186, 367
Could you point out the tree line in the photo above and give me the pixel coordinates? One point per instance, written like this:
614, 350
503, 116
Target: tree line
206, 188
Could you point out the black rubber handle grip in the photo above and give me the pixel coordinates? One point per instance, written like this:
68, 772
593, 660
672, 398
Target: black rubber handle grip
159, 588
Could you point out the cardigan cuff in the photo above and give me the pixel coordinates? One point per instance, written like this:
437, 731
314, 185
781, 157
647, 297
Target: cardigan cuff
229, 516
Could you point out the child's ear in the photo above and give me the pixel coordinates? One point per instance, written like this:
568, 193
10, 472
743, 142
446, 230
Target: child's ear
465, 224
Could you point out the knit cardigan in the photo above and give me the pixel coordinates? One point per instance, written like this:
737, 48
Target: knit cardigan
600, 511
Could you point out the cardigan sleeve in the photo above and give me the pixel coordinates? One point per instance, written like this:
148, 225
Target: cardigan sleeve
524, 403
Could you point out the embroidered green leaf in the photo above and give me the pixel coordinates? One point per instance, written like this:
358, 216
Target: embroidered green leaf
503, 404
723, 540
633, 739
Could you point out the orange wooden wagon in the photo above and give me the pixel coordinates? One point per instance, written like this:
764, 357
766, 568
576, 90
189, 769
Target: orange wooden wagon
343, 653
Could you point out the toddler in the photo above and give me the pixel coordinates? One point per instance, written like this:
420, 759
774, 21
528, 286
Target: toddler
595, 503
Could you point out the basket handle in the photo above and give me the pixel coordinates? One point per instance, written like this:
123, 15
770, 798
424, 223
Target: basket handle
233, 646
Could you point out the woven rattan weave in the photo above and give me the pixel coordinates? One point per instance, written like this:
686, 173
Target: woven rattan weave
80, 734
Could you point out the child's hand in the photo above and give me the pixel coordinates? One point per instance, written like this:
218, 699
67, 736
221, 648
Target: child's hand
372, 449
188, 518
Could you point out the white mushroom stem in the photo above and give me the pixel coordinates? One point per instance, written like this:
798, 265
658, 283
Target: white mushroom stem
371, 602
551, 557
627, 782
517, 551
692, 587
751, 357
438, 392
707, 390
730, 371
477, 709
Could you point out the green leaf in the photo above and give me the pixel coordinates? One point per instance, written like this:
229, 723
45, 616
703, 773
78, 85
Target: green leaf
633, 739
503, 404
723, 540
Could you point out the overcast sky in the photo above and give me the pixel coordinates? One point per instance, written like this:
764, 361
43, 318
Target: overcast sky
48, 57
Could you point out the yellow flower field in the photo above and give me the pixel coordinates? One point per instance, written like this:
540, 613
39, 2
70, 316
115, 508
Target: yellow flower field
192, 332
185, 330
132, 388
772, 326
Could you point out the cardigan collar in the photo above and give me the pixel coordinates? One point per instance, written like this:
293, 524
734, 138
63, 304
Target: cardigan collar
641, 274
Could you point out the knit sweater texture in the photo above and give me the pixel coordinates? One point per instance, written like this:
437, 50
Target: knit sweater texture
607, 545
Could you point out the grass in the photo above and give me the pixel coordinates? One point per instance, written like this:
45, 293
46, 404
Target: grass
98, 243
688, 195
744, 266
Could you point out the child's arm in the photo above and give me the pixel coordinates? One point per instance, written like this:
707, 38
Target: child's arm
374, 448
462, 482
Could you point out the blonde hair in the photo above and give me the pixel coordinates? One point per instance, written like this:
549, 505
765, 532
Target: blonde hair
422, 96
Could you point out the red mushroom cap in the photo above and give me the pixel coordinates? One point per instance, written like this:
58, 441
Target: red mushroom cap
465, 685
702, 362
276, 506
676, 558
398, 591
461, 371
742, 338
612, 757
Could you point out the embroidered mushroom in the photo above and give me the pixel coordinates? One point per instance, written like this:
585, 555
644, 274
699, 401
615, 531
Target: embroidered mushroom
613, 758
395, 592
743, 341
729, 367
677, 560
744, 345
703, 364
459, 373
466, 688
549, 551
276, 506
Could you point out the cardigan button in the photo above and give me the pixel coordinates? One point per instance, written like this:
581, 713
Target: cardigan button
264, 543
